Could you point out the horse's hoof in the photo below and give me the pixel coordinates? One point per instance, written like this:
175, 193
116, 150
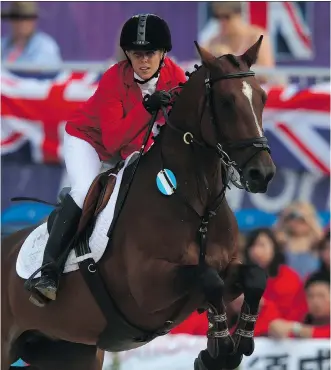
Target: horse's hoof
199, 365
232, 362
246, 346
37, 302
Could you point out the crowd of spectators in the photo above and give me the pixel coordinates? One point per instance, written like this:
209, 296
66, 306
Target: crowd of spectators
295, 254
24, 42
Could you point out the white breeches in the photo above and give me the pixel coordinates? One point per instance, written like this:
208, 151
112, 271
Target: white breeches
83, 165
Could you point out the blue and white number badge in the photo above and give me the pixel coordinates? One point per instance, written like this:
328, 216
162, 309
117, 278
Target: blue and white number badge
166, 182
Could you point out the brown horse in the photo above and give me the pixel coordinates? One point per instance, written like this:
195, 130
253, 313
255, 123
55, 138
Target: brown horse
168, 255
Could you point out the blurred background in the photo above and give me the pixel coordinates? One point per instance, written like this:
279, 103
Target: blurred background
52, 56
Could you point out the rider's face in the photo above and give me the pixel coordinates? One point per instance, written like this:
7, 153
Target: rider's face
145, 63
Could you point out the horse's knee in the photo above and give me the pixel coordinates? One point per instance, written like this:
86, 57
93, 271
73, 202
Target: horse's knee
254, 281
212, 284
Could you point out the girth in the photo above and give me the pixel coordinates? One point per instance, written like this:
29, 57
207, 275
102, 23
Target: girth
119, 334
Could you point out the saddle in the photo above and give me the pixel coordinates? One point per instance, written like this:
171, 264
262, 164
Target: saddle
99, 194
97, 198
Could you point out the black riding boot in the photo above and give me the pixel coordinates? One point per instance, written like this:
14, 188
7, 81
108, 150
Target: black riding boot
63, 230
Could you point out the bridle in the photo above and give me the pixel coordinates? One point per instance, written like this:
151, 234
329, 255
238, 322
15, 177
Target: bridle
260, 143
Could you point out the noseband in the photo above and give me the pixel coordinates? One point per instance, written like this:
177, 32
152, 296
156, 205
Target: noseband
260, 143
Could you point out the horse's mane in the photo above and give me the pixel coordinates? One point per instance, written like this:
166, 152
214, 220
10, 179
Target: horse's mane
230, 57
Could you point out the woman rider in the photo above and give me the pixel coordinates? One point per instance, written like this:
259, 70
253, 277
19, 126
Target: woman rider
113, 121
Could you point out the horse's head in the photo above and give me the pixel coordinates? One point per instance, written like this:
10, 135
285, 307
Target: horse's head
235, 102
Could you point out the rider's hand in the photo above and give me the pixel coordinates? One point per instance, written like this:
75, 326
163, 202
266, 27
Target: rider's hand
155, 101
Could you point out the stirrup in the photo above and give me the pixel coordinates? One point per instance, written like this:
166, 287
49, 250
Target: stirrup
37, 302
47, 286
28, 285
47, 293
37, 299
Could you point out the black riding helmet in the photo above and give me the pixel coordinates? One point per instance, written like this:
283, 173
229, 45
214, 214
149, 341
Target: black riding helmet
146, 32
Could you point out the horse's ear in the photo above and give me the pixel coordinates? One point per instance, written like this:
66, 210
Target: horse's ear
251, 55
206, 57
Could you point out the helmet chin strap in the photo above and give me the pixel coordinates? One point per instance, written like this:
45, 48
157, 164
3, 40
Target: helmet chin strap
156, 74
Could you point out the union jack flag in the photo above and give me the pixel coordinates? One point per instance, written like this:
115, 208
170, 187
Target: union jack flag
296, 121
288, 23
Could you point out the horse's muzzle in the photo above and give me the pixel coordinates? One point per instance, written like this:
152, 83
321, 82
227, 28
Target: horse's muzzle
255, 178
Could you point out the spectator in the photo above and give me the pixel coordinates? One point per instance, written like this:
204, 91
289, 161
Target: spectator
235, 36
323, 250
284, 284
25, 44
298, 230
300, 309
316, 323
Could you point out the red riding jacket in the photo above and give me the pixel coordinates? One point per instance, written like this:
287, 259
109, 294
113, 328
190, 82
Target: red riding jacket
114, 119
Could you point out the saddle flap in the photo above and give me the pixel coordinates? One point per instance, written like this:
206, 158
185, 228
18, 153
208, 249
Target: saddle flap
97, 198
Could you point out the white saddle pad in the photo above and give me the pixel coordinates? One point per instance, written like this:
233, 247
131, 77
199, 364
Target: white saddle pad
31, 254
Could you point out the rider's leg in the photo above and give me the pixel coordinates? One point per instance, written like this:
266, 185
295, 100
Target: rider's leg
83, 165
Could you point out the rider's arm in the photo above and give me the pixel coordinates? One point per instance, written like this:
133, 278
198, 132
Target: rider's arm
118, 130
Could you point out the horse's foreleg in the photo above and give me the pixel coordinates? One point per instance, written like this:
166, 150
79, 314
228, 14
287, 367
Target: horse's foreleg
253, 280
219, 338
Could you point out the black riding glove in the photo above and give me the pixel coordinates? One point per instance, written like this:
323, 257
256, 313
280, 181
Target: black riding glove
155, 101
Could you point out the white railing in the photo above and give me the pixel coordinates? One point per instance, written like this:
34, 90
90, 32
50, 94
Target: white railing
280, 74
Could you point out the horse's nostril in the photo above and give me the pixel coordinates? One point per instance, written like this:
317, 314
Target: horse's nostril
255, 174
269, 176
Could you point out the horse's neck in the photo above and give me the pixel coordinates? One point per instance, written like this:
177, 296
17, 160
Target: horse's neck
185, 113
191, 163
